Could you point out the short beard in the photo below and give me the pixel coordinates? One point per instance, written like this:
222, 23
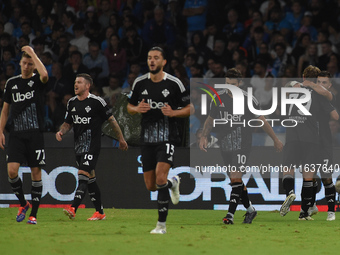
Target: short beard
156, 71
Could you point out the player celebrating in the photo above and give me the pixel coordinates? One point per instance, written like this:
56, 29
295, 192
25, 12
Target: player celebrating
86, 113
26, 142
235, 143
160, 98
303, 145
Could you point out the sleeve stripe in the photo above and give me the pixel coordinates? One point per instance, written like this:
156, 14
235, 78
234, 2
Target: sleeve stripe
145, 76
101, 100
254, 98
179, 83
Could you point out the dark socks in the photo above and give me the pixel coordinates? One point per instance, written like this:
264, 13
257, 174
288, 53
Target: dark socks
307, 195
235, 195
163, 201
36, 196
330, 196
81, 190
245, 197
95, 195
288, 184
315, 189
16, 185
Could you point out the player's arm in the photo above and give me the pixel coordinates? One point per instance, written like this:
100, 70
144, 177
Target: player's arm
180, 113
142, 107
334, 115
3, 121
208, 125
269, 130
118, 132
319, 89
64, 128
37, 62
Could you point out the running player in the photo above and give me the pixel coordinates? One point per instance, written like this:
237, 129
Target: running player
24, 93
86, 114
235, 143
161, 99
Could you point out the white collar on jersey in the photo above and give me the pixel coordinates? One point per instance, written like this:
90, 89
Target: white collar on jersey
164, 78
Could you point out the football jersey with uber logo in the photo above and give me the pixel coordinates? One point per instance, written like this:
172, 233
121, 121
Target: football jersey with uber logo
236, 134
87, 117
26, 99
157, 128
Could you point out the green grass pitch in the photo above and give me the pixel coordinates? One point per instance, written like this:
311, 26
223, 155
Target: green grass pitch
189, 232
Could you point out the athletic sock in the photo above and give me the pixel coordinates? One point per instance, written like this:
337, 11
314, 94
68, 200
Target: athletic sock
81, 190
16, 185
306, 195
163, 202
95, 195
170, 183
330, 196
288, 184
315, 189
244, 197
236, 191
36, 192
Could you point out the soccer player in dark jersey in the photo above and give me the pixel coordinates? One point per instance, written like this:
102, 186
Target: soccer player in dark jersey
23, 101
322, 86
86, 114
235, 143
303, 145
161, 99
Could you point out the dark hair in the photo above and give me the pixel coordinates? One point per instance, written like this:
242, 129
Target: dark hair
87, 77
25, 55
158, 49
233, 73
76, 52
325, 74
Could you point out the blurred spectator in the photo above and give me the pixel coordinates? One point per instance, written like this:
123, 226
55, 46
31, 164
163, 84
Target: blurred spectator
254, 48
23, 41
96, 62
51, 20
127, 86
135, 6
58, 116
68, 22
46, 59
10, 70
196, 71
75, 66
243, 67
91, 15
80, 40
108, 32
293, 19
309, 58
115, 22
182, 75
113, 88
211, 34
128, 21
190, 60
195, 11
106, 11
158, 31
94, 32
5, 43
61, 49
323, 36
334, 127
116, 56
39, 20
133, 45
135, 69
275, 22
198, 42
326, 49
306, 27
82, 9
219, 70
282, 60
234, 26
301, 46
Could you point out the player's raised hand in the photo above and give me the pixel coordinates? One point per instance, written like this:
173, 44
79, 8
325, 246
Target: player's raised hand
167, 110
278, 145
2, 141
58, 136
123, 145
28, 49
203, 143
143, 107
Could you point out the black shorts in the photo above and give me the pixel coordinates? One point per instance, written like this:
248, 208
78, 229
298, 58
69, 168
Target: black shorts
26, 148
303, 154
152, 154
235, 161
87, 162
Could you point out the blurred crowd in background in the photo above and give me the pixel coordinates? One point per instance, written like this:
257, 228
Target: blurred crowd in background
109, 39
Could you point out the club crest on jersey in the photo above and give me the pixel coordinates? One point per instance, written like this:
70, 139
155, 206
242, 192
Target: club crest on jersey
30, 83
165, 92
87, 109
